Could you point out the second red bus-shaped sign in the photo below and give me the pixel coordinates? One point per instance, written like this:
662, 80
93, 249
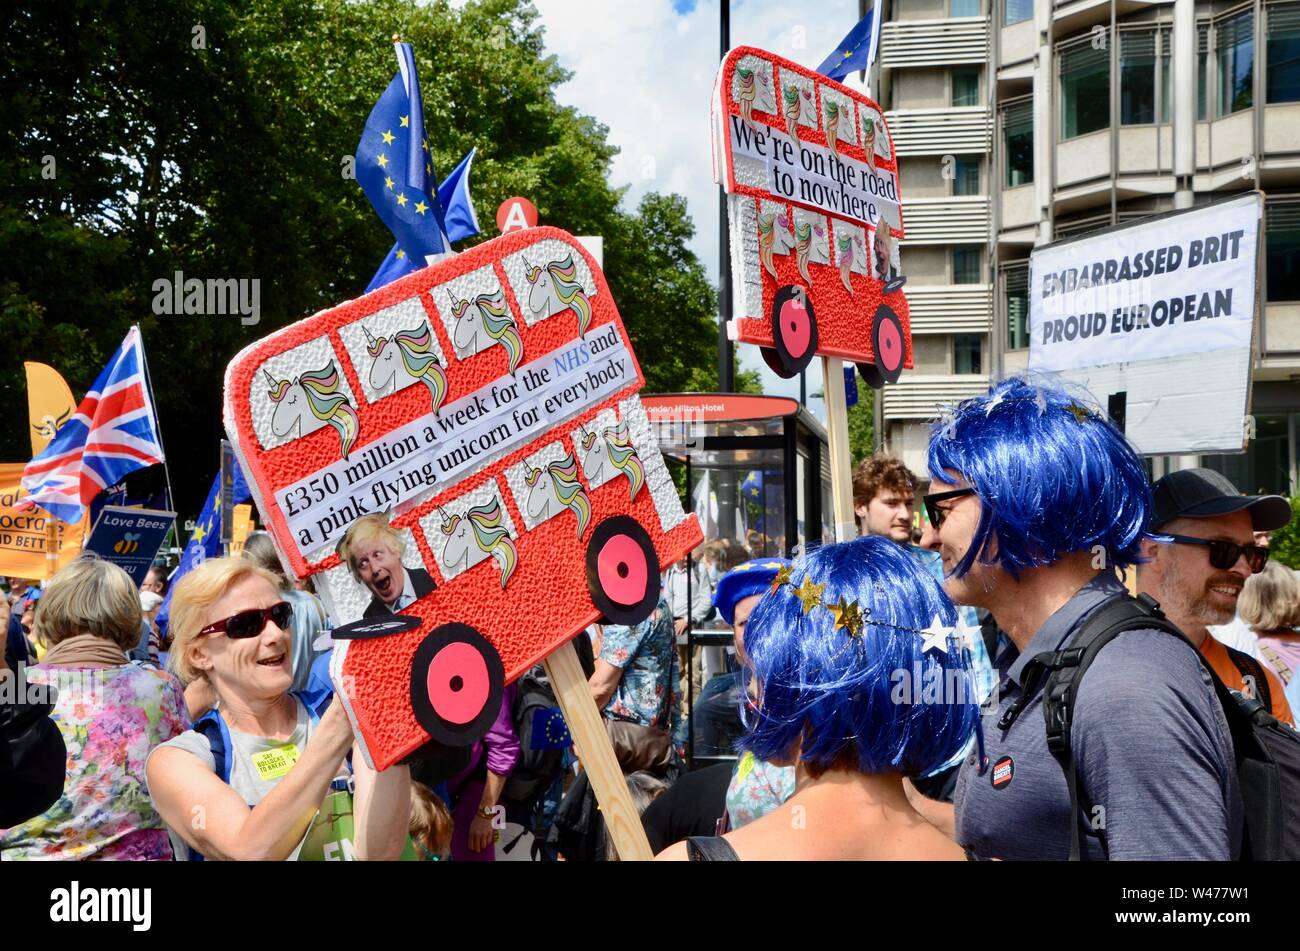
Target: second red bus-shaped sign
488, 405
815, 214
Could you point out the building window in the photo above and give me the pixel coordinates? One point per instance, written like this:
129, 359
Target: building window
966, 352
966, 267
1018, 143
1166, 75
1137, 77
1016, 11
1202, 72
1015, 293
1282, 251
966, 86
1282, 77
965, 8
966, 175
1235, 46
1085, 90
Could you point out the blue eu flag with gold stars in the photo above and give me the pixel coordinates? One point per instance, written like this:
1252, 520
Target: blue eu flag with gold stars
857, 50
461, 222
395, 169
205, 542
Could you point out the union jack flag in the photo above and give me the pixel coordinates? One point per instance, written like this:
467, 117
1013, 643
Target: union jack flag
113, 432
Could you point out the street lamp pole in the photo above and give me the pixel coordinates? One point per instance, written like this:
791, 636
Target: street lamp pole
726, 374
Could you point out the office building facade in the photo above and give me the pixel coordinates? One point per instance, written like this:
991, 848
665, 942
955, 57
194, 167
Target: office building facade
1021, 122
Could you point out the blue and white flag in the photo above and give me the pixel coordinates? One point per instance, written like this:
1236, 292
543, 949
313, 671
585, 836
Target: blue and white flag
461, 222
857, 50
395, 169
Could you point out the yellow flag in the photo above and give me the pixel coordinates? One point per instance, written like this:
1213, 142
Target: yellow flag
49, 404
241, 527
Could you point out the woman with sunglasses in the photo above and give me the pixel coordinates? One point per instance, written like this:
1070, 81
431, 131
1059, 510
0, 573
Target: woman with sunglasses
230, 626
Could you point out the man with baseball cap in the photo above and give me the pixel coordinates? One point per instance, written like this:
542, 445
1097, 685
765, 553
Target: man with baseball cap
1200, 554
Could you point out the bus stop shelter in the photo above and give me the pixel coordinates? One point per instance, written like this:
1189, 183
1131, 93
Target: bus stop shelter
757, 473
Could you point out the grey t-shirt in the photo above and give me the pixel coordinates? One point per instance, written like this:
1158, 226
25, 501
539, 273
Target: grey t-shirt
1151, 746
257, 763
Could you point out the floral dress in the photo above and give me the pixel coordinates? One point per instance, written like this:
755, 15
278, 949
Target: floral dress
757, 787
110, 718
647, 655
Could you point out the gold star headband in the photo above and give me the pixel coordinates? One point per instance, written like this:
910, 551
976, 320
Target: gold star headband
851, 617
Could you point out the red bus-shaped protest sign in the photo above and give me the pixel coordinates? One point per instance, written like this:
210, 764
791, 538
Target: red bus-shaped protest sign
484, 410
815, 215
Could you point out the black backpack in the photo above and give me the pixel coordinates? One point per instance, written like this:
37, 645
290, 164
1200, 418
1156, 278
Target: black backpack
538, 765
1267, 750
538, 762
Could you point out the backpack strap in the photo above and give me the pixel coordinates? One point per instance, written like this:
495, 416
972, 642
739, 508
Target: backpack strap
710, 848
1253, 671
1060, 672
213, 728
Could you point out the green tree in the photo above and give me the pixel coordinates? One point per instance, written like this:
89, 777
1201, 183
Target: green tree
862, 433
1284, 544
214, 139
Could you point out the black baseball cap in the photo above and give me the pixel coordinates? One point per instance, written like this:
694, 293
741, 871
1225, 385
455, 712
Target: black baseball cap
1204, 493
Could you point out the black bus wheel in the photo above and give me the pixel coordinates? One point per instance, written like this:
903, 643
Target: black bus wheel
889, 345
794, 329
622, 570
456, 682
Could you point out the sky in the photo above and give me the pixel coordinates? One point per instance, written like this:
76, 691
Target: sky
645, 68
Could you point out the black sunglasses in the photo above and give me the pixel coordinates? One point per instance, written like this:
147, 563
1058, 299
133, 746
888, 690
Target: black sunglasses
935, 512
1223, 555
250, 623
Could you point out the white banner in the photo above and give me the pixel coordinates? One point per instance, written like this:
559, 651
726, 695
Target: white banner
806, 173
1173, 286
1155, 321
434, 452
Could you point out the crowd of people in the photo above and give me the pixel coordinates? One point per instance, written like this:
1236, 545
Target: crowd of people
881, 698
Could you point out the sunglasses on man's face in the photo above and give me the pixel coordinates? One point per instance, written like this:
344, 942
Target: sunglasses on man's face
250, 623
1224, 555
934, 507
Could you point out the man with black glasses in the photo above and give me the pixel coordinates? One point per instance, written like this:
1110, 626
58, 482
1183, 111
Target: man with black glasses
1203, 551
1038, 500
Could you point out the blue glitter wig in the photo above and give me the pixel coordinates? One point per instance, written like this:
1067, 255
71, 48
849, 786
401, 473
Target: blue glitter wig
1053, 476
856, 702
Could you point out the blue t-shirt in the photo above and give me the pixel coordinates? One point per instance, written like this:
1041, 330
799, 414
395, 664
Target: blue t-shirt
1151, 746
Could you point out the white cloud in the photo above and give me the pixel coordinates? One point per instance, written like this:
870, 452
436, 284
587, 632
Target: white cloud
647, 72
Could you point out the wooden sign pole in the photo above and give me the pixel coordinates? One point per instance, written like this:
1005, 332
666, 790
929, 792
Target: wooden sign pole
622, 823
837, 425
51, 546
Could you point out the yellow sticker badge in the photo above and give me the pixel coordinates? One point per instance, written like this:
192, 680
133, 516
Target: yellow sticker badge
275, 762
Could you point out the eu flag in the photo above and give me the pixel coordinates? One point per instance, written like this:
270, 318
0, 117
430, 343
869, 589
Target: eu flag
550, 732
461, 222
458, 208
205, 542
857, 50
394, 167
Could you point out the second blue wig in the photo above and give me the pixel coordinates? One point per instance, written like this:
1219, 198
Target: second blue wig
1053, 475
857, 701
